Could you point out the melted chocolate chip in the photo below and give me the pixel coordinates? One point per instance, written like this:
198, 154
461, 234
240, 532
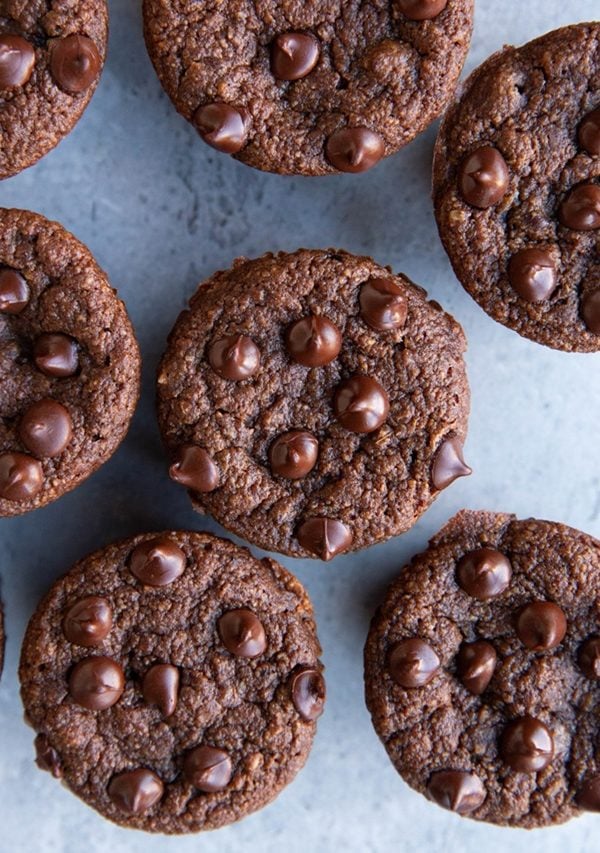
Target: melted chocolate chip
382, 304
589, 658
541, 626
475, 665
324, 537
527, 745
361, 404
242, 633
412, 663
589, 132
588, 796
222, 127
135, 791
160, 687
580, 209
307, 687
449, 464
532, 274
17, 58
21, 477
195, 469
354, 149
88, 622
483, 177
294, 55
313, 341
96, 683
590, 311
46, 428
208, 769
484, 573
456, 790
14, 291
157, 562
236, 357
75, 63
47, 758
56, 355
293, 454
421, 10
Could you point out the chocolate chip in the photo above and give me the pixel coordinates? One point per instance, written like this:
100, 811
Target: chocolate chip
307, 687
236, 357
449, 464
354, 149
382, 304
589, 132
208, 769
160, 687
532, 274
484, 573
324, 537
412, 662
527, 745
313, 341
194, 468
56, 355
541, 626
222, 127
46, 428
590, 311
580, 209
21, 477
96, 683
242, 633
588, 796
75, 63
88, 622
361, 404
14, 291
475, 665
589, 658
135, 791
17, 58
157, 562
46, 757
421, 10
294, 55
483, 177
293, 454
456, 790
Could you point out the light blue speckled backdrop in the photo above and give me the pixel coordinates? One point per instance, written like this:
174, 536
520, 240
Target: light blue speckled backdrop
161, 211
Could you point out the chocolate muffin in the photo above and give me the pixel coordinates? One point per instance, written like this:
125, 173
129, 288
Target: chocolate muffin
482, 670
309, 89
314, 403
51, 57
517, 192
173, 681
69, 363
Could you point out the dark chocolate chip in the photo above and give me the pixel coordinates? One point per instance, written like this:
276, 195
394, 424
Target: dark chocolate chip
449, 464
527, 745
208, 769
135, 791
75, 63
456, 790
354, 149
421, 10
313, 341
56, 355
580, 209
160, 687
361, 404
483, 177
88, 622
46, 428
324, 537
157, 562
541, 626
194, 468
242, 633
96, 683
14, 291
222, 127
21, 477
412, 662
589, 132
484, 573
46, 757
588, 796
589, 657
293, 454
307, 687
532, 274
590, 311
382, 304
475, 665
294, 55
236, 357
17, 58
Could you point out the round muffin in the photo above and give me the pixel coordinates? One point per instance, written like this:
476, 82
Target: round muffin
313, 88
313, 403
482, 670
69, 363
174, 681
51, 57
517, 192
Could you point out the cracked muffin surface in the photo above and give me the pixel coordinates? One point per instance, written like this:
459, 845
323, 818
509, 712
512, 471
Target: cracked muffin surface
309, 88
313, 402
482, 670
173, 681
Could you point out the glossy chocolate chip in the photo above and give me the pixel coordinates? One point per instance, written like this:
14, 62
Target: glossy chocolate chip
194, 468
541, 626
324, 537
222, 127
47, 758
475, 665
527, 745
589, 132
580, 209
135, 791
313, 341
421, 10
46, 428
21, 477
456, 790
242, 633
293, 454
588, 796
17, 58
484, 573
449, 464
483, 177
590, 311
56, 355
589, 658
208, 769
382, 304
361, 404
88, 622
160, 687
157, 562
412, 663
307, 687
14, 291
532, 274
294, 55
96, 683
75, 63
354, 149
236, 357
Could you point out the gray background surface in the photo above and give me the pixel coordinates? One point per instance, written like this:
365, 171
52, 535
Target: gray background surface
161, 211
